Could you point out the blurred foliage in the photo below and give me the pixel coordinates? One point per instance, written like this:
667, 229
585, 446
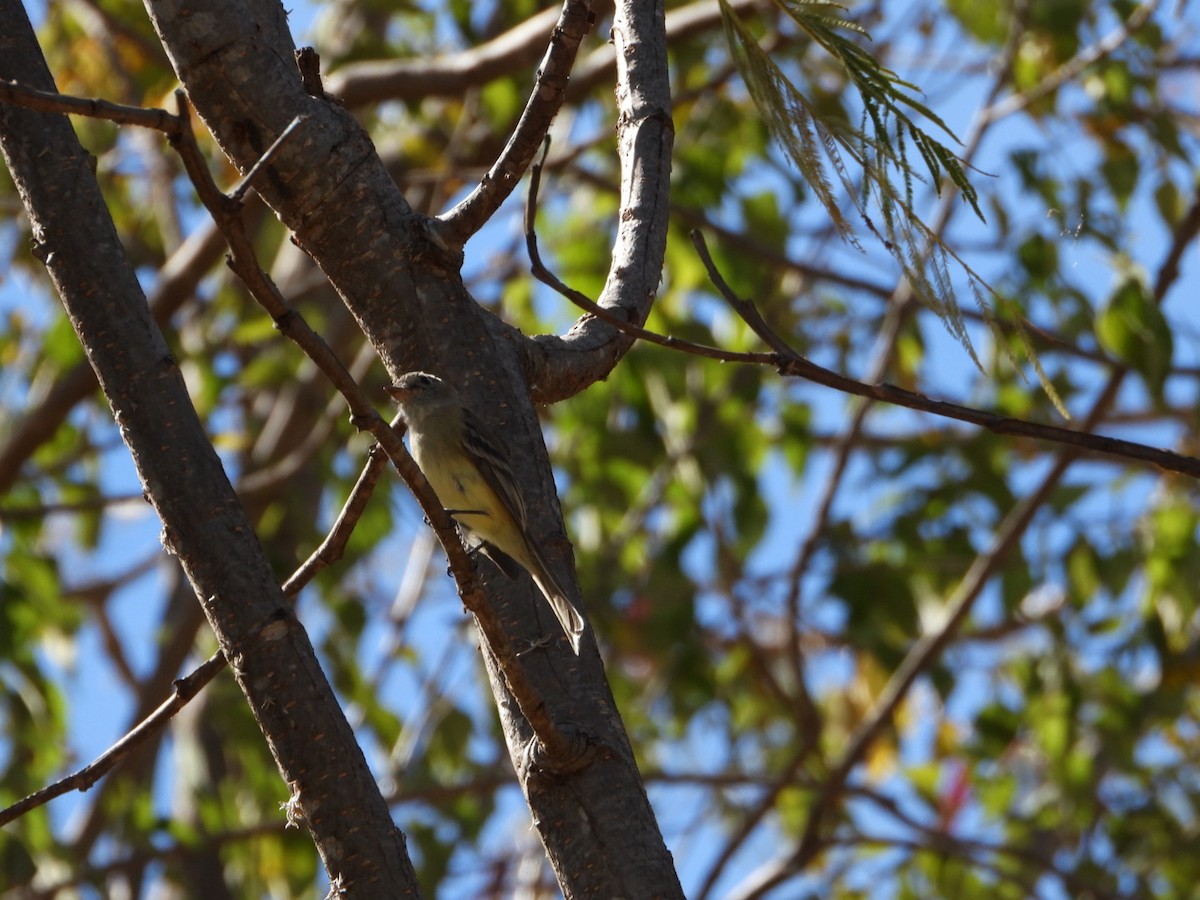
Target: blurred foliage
1052, 749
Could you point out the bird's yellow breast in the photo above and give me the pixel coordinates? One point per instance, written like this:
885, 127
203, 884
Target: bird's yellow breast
463, 491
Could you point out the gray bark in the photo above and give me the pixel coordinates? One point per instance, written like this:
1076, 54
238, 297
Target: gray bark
402, 285
204, 524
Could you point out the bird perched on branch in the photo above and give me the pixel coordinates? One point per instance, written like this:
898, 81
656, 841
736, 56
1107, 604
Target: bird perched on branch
469, 471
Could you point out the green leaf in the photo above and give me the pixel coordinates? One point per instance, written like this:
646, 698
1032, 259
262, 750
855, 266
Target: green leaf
984, 19
1039, 256
1170, 202
1131, 327
16, 862
1121, 168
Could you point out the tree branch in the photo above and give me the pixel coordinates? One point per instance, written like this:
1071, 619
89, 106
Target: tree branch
549, 88
790, 363
557, 751
362, 83
203, 522
930, 646
1069, 70
184, 689
53, 102
405, 291
558, 367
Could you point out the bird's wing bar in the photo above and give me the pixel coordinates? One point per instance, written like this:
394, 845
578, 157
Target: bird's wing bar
493, 466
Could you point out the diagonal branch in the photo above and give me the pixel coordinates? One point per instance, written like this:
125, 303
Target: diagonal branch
926, 650
545, 99
559, 751
183, 690
1071, 69
558, 367
203, 521
790, 363
359, 84
53, 102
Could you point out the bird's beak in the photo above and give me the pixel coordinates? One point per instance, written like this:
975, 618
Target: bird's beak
397, 392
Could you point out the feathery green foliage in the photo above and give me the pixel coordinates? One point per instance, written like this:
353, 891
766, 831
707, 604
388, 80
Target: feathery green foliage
878, 149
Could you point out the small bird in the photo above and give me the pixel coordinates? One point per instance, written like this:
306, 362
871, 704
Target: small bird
469, 471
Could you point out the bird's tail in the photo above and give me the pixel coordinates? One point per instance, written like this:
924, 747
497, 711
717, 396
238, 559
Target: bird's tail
565, 611
568, 616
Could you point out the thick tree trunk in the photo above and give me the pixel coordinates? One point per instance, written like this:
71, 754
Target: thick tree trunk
403, 287
332, 789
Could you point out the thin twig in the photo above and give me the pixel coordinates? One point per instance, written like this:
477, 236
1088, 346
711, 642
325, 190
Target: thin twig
556, 748
790, 363
1075, 65
48, 101
184, 690
334, 545
549, 88
238, 194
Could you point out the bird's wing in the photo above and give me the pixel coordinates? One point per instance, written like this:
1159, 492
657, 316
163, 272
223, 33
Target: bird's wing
493, 465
